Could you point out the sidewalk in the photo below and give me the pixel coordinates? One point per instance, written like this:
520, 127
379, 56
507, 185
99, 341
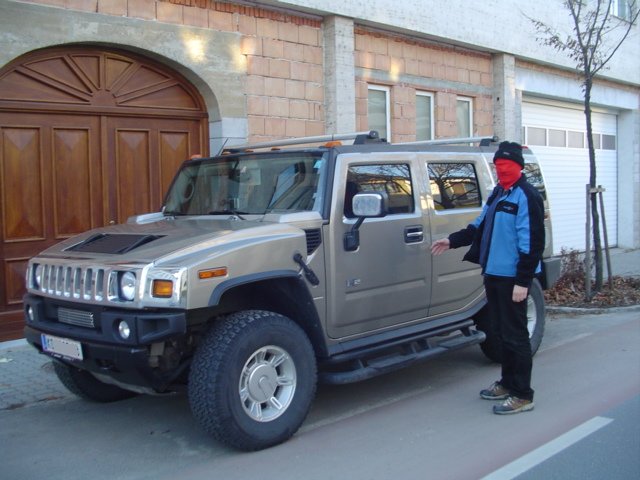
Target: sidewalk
624, 263
27, 377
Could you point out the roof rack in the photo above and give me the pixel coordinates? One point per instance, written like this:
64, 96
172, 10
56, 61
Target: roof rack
484, 141
357, 137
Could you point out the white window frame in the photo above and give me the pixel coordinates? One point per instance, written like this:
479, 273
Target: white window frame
469, 100
420, 93
387, 95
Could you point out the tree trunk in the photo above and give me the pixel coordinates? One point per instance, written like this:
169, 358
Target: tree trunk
597, 245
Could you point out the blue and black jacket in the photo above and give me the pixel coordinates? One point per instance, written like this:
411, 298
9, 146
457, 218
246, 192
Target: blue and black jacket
507, 239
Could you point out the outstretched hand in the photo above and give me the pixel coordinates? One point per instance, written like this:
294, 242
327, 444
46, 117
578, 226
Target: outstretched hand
440, 246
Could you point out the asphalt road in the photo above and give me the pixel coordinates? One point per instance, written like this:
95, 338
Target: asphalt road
425, 422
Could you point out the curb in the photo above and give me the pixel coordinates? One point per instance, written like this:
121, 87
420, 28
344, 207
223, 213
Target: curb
590, 311
13, 344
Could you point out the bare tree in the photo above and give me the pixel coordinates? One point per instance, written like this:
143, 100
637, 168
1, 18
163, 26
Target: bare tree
595, 38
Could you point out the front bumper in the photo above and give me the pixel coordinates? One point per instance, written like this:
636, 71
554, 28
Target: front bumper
104, 352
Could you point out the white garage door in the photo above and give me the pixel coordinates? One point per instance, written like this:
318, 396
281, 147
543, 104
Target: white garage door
557, 135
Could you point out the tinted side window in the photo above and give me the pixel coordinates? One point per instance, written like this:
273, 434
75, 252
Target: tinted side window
534, 177
394, 180
454, 185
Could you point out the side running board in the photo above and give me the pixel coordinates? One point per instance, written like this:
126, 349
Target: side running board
407, 354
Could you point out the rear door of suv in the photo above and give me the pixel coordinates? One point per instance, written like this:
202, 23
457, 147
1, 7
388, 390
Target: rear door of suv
459, 184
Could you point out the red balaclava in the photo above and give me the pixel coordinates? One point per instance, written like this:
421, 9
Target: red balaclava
508, 172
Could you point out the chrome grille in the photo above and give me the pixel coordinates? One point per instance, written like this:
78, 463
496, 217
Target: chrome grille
79, 282
76, 317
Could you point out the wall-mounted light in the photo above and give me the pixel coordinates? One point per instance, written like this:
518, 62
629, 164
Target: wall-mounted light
195, 48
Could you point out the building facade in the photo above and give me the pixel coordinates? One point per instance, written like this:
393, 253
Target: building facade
101, 100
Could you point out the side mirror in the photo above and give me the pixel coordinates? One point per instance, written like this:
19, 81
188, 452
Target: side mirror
370, 205
365, 205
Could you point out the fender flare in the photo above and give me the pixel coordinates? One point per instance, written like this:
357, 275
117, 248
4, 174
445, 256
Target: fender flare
217, 293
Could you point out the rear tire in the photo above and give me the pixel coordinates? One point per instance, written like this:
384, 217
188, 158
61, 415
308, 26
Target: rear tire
492, 347
252, 380
86, 386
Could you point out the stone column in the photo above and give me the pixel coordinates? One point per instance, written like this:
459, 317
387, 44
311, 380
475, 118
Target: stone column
227, 132
339, 75
507, 106
629, 178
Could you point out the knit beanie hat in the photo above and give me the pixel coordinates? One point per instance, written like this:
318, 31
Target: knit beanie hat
510, 151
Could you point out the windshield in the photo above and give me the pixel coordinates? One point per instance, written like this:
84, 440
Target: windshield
279, 182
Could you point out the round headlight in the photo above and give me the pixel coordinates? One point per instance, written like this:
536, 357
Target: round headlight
124, 330
128, 286
37, 276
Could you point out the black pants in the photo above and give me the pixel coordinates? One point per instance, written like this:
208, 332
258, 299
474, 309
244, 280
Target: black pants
509, 324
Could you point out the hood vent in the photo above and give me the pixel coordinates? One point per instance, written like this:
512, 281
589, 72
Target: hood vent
314, 239
116, 244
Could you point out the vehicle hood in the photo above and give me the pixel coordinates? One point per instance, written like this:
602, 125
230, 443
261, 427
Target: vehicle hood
170, 240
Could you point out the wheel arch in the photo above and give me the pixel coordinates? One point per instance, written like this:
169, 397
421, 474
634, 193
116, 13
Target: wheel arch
283, 292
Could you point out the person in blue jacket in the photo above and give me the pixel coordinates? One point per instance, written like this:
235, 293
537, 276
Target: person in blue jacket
507, 240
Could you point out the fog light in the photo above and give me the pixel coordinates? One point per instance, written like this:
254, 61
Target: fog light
124, 330
31, 315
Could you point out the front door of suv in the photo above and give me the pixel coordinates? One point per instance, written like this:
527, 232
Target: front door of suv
386, 281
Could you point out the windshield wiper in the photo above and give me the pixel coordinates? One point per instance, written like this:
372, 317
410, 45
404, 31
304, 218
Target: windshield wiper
235, 213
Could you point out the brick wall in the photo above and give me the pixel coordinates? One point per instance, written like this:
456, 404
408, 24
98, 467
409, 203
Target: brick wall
285, 89
197, 13
405, 60
284, 57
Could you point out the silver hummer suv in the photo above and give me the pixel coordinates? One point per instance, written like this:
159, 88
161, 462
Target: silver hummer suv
270, 269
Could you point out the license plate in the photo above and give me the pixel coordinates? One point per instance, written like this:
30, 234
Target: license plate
62, 347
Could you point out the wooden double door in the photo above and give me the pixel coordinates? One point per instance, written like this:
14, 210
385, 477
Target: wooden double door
104, 149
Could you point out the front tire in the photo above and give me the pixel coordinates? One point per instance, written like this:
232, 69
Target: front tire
492, 347
252, 380
86, 386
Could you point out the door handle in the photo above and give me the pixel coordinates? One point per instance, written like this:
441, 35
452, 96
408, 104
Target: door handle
413, 234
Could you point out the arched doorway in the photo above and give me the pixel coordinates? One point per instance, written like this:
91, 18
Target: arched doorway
88, 137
